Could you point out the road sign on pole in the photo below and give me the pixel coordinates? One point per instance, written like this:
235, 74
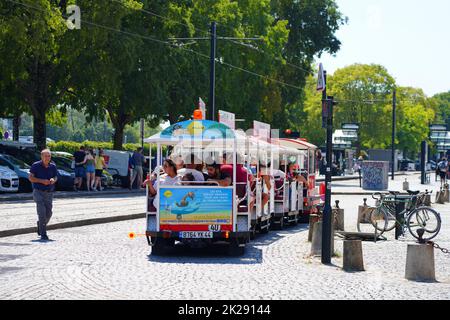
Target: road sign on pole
202, 106
321, 85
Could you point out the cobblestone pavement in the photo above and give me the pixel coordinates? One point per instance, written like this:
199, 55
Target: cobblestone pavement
101, 262
23, 214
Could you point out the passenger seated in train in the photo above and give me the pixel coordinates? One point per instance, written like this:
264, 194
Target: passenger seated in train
187, 177
170, 177
191, 166
294, 174
214, 174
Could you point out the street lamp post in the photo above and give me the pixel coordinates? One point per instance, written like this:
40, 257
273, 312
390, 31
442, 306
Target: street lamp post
212, 74
394, 104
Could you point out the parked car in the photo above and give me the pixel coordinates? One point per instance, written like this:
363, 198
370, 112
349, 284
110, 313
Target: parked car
63, 160
9, 181
406, 165
22, 169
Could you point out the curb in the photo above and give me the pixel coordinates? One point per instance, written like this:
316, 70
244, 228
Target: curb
81, 194
72, 224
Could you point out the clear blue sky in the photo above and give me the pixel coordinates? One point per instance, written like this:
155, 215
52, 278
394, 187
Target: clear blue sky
411, 38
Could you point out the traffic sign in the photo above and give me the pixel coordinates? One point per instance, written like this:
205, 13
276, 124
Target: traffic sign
321, 85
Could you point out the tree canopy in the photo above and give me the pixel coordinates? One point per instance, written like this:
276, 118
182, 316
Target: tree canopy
125, 61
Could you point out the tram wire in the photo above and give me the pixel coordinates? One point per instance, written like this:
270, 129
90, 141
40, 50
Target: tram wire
171, 45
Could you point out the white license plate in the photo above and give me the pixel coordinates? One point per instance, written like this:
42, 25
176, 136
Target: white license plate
196, 234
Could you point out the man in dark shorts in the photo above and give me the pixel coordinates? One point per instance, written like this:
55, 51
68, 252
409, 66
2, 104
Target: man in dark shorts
43, 175
80, 171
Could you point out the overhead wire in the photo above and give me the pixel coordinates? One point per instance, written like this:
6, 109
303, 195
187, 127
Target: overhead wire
171, 45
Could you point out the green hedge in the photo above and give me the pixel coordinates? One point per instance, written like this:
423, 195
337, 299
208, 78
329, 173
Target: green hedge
71, 146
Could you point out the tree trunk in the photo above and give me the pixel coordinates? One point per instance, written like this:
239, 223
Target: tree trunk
16, 125
118, 136
39, 128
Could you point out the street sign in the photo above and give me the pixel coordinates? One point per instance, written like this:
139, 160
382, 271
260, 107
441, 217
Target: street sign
227, 118
202, 106
261, 130
321, 85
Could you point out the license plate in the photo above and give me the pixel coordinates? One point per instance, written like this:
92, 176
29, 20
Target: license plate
196, 234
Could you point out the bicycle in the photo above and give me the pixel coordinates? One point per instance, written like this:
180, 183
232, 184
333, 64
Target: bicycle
413, 217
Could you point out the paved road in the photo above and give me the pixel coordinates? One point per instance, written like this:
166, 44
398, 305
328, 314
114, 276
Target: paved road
101, 262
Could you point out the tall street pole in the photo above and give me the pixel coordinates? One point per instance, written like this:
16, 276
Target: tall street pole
212, 76
394, 105
327, 212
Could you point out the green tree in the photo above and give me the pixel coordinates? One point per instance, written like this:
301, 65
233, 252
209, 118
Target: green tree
414, 114
364, 93
442, 101
34, 61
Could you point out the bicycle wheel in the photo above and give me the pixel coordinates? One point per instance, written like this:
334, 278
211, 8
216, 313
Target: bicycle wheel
379, 218
424, 218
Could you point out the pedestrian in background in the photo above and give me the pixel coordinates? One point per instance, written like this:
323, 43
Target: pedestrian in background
90, 170
100, 165
43, 176
443, 169
80, 172
137, 159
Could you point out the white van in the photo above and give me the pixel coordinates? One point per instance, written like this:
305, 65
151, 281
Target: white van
9, 181
117, 162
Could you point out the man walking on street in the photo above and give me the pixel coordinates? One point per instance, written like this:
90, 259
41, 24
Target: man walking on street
137, 159
43, 175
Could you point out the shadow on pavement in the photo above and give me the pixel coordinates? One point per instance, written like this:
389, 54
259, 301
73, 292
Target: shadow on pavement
218, 253
9, 257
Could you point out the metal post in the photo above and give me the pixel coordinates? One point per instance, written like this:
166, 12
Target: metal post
394, 104
423, 162
327, 237
398, 226
142, 129
212, 79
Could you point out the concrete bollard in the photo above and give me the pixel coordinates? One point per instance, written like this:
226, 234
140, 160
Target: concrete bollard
338, 215
440, 197
427, 200
313, 218
353, 256
446, 195
316, 244
420, 263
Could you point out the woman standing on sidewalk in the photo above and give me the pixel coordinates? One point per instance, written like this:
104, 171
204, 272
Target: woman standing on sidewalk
90, 170
100, 164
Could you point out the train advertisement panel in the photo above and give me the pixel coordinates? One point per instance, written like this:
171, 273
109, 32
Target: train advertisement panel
190, 208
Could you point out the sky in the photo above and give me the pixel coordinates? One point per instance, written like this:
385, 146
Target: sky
411, 38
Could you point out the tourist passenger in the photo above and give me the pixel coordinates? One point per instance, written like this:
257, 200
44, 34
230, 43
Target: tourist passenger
170, 177
192, 167
214, 174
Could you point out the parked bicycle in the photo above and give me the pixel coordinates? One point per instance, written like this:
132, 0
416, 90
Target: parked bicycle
414, 215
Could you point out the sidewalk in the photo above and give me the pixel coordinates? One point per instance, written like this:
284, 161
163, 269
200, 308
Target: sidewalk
351, 187
5, 197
